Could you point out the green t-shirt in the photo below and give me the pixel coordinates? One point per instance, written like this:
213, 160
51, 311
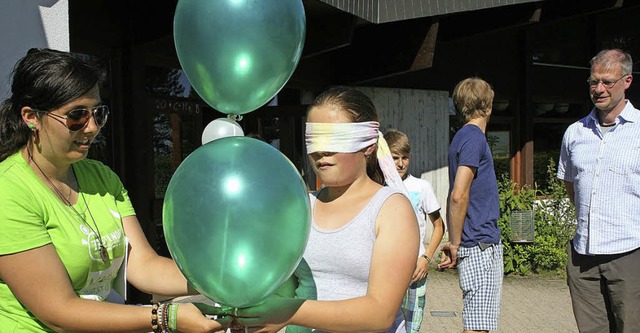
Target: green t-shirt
31, 215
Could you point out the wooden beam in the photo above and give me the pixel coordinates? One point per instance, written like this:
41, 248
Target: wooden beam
424, 57
524, 116
535, 17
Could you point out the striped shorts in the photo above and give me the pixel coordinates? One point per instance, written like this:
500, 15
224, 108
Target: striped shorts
481, 275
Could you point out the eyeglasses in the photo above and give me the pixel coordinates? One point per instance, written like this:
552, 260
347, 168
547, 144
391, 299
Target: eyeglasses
78, 119
606, 83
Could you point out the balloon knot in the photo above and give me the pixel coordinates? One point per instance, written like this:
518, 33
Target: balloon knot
234, 117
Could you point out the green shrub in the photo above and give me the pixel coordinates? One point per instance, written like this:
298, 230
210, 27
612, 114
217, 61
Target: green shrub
554, 219
540, 168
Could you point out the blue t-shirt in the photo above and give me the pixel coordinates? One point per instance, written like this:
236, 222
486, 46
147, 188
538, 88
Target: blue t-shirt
469, 147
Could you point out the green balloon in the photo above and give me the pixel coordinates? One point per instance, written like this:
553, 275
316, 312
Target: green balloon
238, 54
236, 219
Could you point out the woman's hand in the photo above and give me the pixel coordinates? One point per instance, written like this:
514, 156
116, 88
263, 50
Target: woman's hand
191, 319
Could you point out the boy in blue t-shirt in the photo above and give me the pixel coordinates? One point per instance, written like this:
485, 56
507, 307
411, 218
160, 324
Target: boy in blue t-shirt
473, 210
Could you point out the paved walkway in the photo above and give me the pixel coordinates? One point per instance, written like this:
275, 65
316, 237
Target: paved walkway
529, 304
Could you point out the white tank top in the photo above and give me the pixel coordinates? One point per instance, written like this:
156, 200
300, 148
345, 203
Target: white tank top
335, 264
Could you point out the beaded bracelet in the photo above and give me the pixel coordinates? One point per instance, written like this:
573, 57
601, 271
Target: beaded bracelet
165, 318
154, 318
161, 325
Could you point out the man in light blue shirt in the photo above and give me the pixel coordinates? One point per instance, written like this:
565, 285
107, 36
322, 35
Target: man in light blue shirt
600, 164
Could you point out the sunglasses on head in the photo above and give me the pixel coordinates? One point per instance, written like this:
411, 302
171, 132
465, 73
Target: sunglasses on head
78, 119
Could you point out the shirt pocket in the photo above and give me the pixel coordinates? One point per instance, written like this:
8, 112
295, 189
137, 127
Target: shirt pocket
628, 163
624, 178
620, 169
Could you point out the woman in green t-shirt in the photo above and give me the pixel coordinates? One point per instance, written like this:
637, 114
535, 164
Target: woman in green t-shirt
68, 227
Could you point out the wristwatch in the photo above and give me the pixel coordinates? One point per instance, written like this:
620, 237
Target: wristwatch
429, 260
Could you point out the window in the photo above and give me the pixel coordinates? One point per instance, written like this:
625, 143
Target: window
500, 143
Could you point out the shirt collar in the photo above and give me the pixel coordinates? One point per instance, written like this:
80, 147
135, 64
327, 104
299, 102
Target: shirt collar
628, 114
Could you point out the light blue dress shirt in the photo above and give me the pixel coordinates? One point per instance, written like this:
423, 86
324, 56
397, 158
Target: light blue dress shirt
605, 171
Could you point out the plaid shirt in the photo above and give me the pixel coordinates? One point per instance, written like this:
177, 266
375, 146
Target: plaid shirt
605, 171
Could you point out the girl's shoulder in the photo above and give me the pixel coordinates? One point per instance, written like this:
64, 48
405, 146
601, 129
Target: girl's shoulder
387, 191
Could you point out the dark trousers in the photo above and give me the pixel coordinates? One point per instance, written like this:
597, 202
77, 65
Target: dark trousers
605, 291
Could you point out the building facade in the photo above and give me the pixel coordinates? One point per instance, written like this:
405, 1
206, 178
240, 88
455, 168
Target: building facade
408, 55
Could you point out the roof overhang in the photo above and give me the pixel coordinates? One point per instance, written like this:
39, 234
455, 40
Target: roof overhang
381, 11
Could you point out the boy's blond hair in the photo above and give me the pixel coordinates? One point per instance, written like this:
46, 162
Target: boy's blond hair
398, 142
473, 98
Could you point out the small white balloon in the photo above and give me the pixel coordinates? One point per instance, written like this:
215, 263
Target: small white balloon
220, 128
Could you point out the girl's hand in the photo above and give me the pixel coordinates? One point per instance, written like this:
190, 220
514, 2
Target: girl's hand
271, 314
422, 269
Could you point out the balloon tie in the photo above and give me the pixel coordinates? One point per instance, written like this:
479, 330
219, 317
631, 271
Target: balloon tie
234, 117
